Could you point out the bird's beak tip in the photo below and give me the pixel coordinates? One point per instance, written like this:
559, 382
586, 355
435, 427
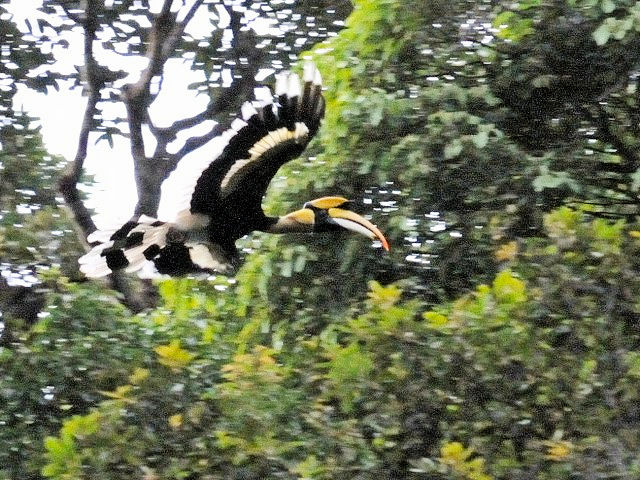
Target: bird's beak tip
354, 222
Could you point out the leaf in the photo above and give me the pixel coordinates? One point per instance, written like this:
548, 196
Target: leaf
558, 451
452, 149
588, 368
551, 179
481, 139
138, 375
349, 364
503, 20
632, 359
454, 452
607, 6
210, 332
508, 288
80, 425
50, 470
527, 4
512, 26
54, 446
173, 355
175, 421
435, 319
286, 268
508, 251
543, 81
299, 264
383, 297
376, 115
348, 367
601, 34
120, 393
635, 180
309, 468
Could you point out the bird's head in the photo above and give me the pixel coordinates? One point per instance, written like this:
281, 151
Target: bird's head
330, 214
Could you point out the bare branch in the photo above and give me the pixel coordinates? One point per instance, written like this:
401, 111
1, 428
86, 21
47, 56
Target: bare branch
136, 97
179, 29
194, 143
192, 11
131, 299
212, 109
68, 183
69, 14
241, 88
221, 104
165, 35
162, 28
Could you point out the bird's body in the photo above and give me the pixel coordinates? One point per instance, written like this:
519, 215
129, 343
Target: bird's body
222, 196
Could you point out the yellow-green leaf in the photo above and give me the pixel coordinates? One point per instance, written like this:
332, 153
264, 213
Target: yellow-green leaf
173, 355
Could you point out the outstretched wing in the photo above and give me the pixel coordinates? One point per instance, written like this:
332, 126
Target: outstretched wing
270, 133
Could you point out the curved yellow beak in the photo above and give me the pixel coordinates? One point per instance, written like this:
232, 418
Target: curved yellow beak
354, 222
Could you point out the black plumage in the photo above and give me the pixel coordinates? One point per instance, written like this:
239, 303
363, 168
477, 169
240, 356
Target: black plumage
225, 199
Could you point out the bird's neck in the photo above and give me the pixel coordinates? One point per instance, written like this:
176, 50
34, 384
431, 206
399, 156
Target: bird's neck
286, 224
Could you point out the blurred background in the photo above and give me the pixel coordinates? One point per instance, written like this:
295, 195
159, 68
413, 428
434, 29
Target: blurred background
496, 145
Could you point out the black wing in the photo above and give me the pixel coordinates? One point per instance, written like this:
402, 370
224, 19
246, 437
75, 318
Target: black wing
225, 190
268, 136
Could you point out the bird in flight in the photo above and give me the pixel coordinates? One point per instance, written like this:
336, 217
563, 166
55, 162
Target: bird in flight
222, 196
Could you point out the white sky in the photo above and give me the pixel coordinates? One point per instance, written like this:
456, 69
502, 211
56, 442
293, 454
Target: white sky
61, 111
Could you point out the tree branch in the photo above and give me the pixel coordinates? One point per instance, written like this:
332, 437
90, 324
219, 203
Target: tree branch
179, 29
628, 154
68, 184
68, 13
164, 37
213, 108
157, 53
194, 143
136, 96
241, 88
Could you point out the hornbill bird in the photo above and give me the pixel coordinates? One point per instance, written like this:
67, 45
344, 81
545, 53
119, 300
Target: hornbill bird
223, 195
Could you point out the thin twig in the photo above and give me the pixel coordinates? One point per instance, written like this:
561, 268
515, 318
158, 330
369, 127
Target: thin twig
194, 143
631, 159
179, 29
68, 13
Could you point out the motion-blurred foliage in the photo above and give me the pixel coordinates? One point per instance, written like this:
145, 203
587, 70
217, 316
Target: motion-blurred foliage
499, 339
536, 371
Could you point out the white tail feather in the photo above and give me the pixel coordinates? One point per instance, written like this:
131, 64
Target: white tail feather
100, 236
293, 86
94, 264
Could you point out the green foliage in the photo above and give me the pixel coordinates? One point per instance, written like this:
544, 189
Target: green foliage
512, 26
82, 344
619, 27
348, 367
513, 377
568, 93
34, 229
62, 457
401, 145
457, 458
